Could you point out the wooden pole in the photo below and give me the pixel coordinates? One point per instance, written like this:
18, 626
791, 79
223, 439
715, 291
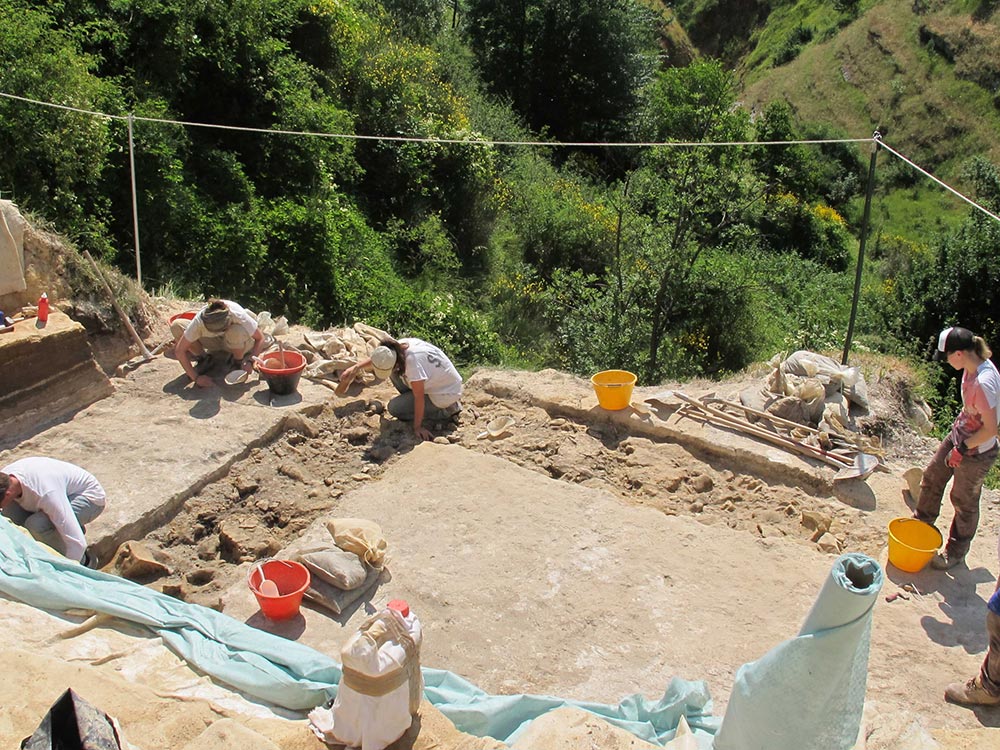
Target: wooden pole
114, 304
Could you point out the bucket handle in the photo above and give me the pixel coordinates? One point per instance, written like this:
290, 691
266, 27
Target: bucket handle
259, 567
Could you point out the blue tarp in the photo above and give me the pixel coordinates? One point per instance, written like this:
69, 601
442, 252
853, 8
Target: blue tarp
810, 691
288, 674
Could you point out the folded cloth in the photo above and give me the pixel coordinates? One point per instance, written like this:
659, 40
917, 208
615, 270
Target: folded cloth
335, 566
337, 600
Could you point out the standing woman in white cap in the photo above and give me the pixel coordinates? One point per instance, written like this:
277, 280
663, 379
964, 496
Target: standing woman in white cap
429, 385
969, 450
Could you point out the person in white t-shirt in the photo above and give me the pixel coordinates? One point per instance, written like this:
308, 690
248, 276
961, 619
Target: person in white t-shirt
969, 450
429, 385
53, 500
221, 326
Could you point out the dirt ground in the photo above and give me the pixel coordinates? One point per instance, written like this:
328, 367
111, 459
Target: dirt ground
574, 557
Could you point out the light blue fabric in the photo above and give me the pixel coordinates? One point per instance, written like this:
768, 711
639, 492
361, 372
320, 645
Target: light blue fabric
288, 674
810, 691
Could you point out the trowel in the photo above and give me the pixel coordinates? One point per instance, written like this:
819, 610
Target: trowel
497, 428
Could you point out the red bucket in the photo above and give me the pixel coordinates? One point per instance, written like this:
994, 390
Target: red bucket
291, 578
282, 380
189, 315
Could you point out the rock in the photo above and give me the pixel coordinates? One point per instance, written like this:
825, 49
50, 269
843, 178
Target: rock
176, 590
136, 561
243, 538
293, 472
701, 483
201, 576
816, 521
208, 548
245, 486
302, 424
769, 532
829, 543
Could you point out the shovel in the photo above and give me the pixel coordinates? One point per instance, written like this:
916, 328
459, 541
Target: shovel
864, 465
860, 467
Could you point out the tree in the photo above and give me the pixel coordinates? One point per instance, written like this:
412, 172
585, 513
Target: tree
571, 67
54, 159
695, 196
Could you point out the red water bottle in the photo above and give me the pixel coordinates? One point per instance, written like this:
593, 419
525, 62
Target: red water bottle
43, 308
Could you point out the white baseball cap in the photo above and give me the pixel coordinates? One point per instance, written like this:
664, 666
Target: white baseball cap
383, 360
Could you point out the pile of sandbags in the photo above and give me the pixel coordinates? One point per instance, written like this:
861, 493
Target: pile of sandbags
342, 572
811, 389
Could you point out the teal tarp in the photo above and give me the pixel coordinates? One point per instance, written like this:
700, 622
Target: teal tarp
297, 677
810, 691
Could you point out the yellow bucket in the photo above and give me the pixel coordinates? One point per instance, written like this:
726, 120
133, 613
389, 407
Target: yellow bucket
912, 543
614, 388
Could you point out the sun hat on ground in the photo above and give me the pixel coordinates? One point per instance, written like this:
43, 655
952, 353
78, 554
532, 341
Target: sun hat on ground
383, 360
953, 339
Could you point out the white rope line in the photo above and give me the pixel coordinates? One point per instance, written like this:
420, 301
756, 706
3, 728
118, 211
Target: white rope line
947, 187
425, 139
477, 142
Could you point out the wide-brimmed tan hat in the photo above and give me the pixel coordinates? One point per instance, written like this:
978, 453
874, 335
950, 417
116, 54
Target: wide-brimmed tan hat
383, 360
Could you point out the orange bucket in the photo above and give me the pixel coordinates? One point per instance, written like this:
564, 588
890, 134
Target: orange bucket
291, 578
282, 380
912, 544
614, 388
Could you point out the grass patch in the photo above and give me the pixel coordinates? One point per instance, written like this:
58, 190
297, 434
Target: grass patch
918, 214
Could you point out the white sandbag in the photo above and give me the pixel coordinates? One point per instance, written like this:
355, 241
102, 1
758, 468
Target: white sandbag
265, 323
381, 689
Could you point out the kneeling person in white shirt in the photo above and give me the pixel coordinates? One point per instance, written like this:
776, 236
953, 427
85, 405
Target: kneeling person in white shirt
54, 500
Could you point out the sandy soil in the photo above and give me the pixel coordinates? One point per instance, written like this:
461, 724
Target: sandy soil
576, 556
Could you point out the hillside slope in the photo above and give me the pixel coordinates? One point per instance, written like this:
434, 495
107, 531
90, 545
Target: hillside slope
926, 80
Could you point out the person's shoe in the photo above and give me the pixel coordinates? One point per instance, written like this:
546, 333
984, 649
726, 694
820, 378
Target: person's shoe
945, 561
89, 560
971, 693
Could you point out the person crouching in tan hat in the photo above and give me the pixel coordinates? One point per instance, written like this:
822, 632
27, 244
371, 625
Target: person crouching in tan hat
429, 384
219, 327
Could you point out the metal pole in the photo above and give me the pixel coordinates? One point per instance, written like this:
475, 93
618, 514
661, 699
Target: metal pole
876, 139
135, 203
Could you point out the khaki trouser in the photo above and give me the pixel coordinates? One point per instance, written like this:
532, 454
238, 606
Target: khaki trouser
965, 490
234, 340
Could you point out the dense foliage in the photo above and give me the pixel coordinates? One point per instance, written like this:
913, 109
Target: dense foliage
670, 261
